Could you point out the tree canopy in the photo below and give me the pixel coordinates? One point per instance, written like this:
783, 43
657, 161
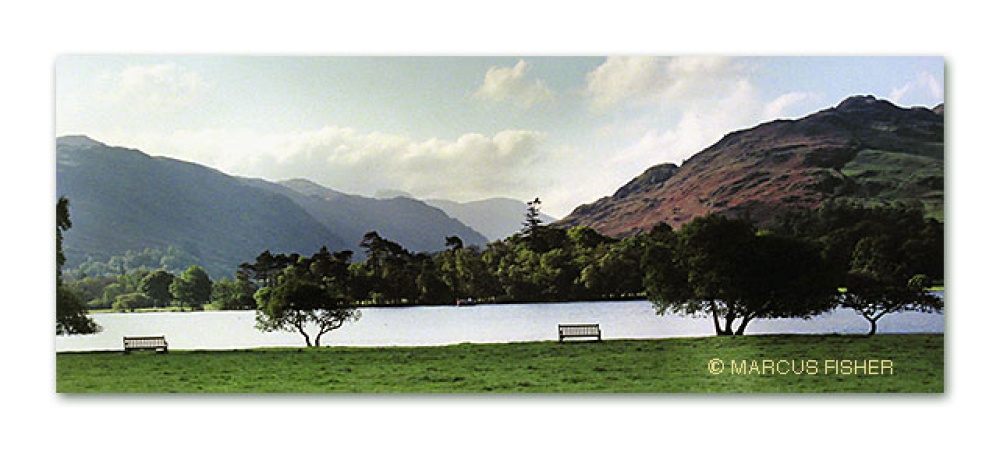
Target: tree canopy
885, 257
71, 313
307, 294
728, 270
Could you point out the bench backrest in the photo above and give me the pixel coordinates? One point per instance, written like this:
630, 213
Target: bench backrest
579, 329
144, 342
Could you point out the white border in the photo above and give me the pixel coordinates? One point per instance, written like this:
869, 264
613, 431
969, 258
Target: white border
34, 34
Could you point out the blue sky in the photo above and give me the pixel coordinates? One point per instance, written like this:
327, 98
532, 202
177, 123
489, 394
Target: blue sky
566, 129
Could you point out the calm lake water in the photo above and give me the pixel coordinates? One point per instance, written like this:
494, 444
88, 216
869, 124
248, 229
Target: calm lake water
427, 326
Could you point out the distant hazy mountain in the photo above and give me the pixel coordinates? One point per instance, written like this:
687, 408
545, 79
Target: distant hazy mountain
407, 221
496, 218
865, 150
122, 199
391, 193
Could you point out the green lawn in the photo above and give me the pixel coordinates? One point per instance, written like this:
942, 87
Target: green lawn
906, 363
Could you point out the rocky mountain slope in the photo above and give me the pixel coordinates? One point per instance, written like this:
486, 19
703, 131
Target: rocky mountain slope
865, 149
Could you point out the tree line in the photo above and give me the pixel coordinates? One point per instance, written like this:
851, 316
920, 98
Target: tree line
873, 260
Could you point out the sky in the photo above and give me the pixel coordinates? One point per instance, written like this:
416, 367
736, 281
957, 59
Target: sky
568, 130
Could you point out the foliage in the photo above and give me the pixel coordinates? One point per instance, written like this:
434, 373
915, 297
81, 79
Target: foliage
304, 293
532, 217
235, 294
886, 257
715, 266
170, 259
726, 269
193, 288
156, 286
71, 313
130, 301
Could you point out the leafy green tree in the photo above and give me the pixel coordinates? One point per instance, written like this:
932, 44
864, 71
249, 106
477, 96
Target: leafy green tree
235, 294
89, 290
881, 282
431, 288
613, 270
465, 272
131, 301
71, 313
156, 286
111, 292
391, 268
193, 288
886, 256
310, 293
725, 269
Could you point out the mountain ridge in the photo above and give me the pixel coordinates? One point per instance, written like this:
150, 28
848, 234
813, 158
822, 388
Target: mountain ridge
122, 199
864, 148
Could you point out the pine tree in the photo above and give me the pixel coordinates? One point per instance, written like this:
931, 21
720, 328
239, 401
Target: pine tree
531, 219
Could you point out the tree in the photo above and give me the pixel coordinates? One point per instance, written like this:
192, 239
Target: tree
391, 269
886, 257
532, 218
309, 293
234, 294
130, 301
725, 269
192, 288
881, 282
454, 242
156, 286
71, 313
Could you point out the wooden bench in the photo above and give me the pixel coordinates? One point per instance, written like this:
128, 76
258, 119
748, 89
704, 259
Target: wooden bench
159, 344
579, 331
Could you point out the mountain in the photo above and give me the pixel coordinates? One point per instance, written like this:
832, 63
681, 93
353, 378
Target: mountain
125, 200
864, 149
122, 199
407, 221
495, 218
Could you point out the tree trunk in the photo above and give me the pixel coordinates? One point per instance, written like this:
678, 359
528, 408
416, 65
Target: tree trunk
874, 327
730, 317
306, 336
743, 325
715, 320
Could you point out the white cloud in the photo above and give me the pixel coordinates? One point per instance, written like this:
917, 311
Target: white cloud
784, 105
700, 125
643, 80
511, 85
473, 166
925, 86
154, 87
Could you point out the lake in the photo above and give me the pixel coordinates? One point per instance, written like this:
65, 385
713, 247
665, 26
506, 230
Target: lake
441, 325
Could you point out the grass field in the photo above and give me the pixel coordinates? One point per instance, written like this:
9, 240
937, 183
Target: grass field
751, 364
